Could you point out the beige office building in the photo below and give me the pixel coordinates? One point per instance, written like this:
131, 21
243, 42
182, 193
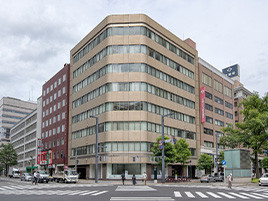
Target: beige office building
128, 71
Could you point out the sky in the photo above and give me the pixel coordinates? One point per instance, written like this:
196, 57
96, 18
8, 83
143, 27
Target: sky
36, 36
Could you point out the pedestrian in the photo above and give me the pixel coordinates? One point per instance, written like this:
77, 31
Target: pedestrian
134, 179
145, 177
35, 177
230, 181
123, 178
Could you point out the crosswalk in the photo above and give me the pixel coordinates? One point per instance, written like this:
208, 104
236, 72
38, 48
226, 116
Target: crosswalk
49, 190
218, 195
135, 188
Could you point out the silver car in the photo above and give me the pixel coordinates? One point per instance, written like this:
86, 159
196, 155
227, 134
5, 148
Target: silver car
207, 178
264, 179
26, 177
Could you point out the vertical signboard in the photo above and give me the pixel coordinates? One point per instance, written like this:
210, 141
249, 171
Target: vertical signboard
203, 116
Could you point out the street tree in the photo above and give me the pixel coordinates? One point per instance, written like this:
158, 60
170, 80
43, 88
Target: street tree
183, 153
169, 151
8, 156
221, 158
264, 163
251, 133
231, 137
205, 162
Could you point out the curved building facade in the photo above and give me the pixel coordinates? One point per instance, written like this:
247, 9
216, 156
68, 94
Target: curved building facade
128, 71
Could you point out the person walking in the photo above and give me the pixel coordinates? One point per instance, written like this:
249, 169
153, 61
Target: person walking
35, 177
134, 179
145, 177
229, 178
123, 178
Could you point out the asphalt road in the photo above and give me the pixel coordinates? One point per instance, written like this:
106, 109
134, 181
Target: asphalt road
16, 190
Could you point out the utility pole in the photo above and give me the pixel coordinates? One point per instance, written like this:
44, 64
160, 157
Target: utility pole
163, 147
217, 169
96, 148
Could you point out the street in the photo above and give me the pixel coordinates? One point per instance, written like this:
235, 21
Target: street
14, 189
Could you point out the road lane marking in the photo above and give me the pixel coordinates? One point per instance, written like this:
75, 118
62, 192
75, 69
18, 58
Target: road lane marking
252, 196
189, 194
202, 195
258, 194
90, 192
213, 195
238, 195
78, 192
177, 194
226, 195
99, 193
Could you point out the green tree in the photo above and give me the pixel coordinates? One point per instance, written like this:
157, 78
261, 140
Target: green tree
183, 153
251, 133
264, 163
220, 159
8, 156
205, 162
231, 137
169, 151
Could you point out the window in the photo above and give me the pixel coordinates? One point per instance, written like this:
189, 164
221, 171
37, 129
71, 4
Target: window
228, 115
49, 145
46, 134
208, 144
217, 86
58, 142
47, 90
63, 115
55, 96
219, 111
63, 77
235, 104
209, 119
59, 93
228, 91
55, 107
62, 141
59, 105
44, 114
208, 131
54, 143
59, 81
54, 131
63, 102
235, 113
229, 105
50, 110
220, 134
63, 90
55, 85
62, 128
54, 119
218, 100
58, 117
208, 107
208, 95
219, 123
44, 92
44, 103
58, 130
206, 79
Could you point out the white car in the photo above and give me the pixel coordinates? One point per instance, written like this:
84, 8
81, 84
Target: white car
264, 179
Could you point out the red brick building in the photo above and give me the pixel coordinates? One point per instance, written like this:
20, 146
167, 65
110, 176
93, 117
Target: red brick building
55, 115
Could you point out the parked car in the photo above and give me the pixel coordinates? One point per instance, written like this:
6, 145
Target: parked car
219, 177
207, 178
264, 179
42, 176
26, 177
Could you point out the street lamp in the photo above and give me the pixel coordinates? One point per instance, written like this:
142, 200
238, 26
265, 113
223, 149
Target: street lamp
217, 169
163, 147
96, 148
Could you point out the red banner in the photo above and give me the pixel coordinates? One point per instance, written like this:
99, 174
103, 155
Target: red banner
203, 116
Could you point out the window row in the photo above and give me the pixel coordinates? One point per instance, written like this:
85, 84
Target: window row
133, 86
210, 132
132, 49
54, 97
56, 83
218, 100
132, 106
53, 120
137, 67
15, 111
217, 85
54, 108
53, 131
11, 117
131, 126
54, 143
134, 30
218, 111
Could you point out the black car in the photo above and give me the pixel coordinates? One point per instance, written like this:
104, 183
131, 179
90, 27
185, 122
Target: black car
219, 177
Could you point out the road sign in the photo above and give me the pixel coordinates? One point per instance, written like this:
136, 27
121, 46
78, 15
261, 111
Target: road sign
224, 162
160, 146
160, 141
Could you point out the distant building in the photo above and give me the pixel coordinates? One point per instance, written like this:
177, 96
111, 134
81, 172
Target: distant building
25, 138
12, 110
55, 120
217, 108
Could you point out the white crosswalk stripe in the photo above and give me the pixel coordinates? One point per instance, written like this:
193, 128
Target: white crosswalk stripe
258, 194
238, 195
202, 195
213, 195
90, 192
252, 196
99, 193
189, 194
177, 194
226, 195
141, 198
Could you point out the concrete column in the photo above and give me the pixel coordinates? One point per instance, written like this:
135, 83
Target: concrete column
104, 171
148, 171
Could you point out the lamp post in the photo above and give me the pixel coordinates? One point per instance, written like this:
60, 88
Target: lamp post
32, 164
163, 147
96, 148
217, 169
